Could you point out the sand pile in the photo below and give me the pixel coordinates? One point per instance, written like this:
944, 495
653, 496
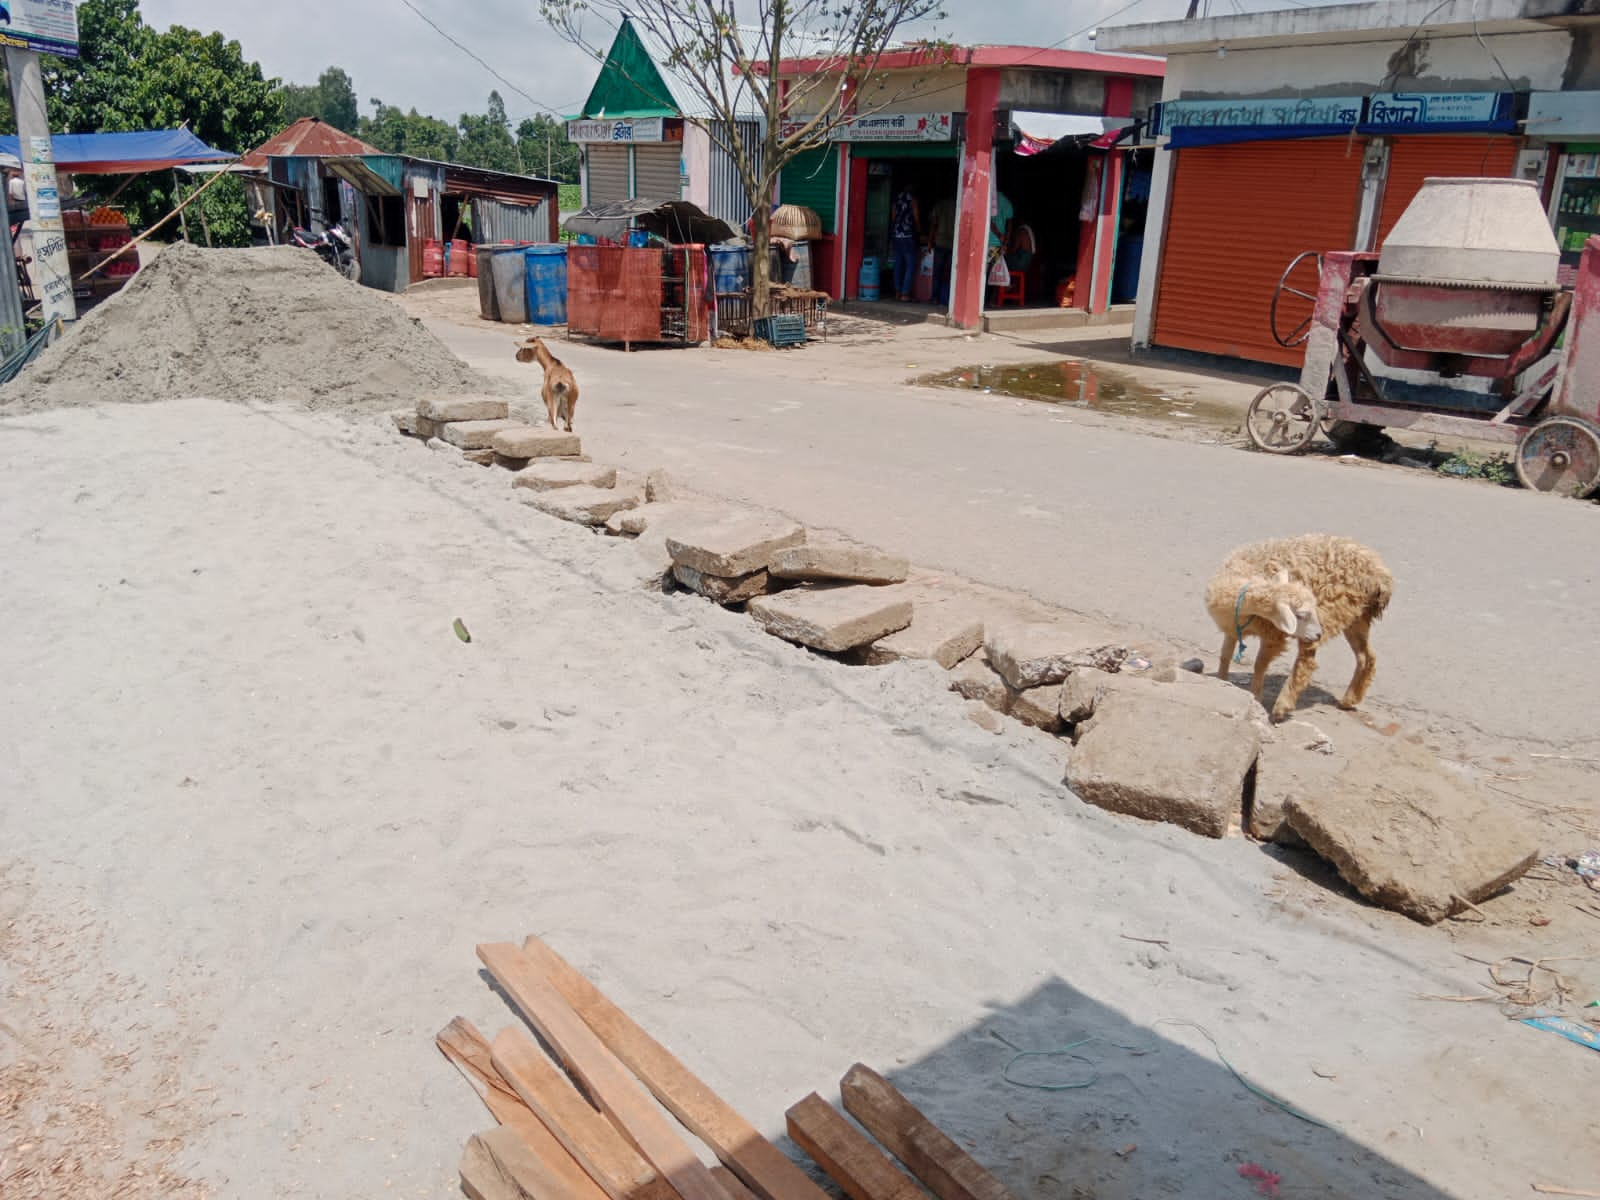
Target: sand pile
267, 324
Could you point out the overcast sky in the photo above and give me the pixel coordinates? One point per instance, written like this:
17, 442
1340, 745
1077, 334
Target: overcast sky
392, 54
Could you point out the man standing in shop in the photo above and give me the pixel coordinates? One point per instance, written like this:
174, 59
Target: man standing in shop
905, 230
942, 240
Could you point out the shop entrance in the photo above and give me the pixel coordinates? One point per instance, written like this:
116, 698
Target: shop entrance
1046, 191
878, 175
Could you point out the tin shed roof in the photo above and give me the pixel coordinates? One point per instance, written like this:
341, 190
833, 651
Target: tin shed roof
309, 137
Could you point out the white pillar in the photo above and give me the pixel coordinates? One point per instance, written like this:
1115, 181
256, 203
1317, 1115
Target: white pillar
1155, 231
50, 264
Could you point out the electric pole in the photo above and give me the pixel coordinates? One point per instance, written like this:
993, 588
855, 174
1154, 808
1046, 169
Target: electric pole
52, 270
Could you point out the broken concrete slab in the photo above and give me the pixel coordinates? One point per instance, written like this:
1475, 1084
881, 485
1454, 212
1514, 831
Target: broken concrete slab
1160, 759
1085, 687
1039, 707
837, 560
734, 544
945, 633
549, 475
1296, 762
832, 618
1032, 655
483, 458
723, 591
474, 435
583, 505
1407, 836
536, 441
985, 718
462, 408
975, 679
409, 423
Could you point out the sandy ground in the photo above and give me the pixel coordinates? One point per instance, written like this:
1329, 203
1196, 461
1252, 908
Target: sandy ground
259, 804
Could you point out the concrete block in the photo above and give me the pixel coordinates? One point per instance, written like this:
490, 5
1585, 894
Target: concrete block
975, 679
483, 458
474, 435
835, 560
1039, 707
548, 475
1411, 838
1086, 686
723, 591
735, 544
833, 619
462, 408
658, 487
1030, 656
408, 422
1152, 757
945, 633
536, 441
582, 505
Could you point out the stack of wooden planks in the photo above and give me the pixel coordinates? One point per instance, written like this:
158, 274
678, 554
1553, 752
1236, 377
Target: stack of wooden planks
583, 1122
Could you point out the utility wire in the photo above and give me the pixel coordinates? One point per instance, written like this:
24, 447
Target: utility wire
434, 26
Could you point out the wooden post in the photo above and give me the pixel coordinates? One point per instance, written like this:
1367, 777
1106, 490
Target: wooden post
177, 198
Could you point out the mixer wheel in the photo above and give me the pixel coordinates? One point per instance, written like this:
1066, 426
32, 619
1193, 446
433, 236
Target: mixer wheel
1283, 419
1302, 330
1561, 455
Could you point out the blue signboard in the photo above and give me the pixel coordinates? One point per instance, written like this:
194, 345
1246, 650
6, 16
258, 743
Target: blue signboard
1438, 112
44, 26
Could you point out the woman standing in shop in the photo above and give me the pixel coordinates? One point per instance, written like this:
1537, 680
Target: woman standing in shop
905, 231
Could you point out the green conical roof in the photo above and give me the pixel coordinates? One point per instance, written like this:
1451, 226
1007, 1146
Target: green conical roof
630, 84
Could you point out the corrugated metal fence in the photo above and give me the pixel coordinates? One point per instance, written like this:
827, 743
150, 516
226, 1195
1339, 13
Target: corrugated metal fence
498, 221
728, 199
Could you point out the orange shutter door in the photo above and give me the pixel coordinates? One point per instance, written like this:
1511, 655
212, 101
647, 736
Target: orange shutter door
1447, 156
1237, 216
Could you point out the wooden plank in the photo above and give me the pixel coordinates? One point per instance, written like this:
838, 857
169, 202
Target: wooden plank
604, 1153
767, 1171
607, 1081
848, 1155
463, 1045
732, 1184
947, 1170
481, 1178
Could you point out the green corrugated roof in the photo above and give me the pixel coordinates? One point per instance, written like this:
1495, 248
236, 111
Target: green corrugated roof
630, 84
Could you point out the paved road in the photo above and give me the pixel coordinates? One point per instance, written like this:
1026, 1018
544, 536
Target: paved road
1493, 628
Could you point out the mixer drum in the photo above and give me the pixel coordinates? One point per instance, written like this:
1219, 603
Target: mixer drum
1441, 319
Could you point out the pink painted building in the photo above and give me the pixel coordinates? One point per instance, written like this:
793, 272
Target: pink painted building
1045, 131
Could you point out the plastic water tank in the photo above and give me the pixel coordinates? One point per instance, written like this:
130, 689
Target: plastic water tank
730, 268
547, 283
869, 279
510, 268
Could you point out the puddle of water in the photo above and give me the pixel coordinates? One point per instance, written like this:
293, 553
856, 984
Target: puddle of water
1076, 382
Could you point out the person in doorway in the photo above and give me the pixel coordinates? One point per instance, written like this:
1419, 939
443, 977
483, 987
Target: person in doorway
1021, 246
905, 231
999, 224
942, 240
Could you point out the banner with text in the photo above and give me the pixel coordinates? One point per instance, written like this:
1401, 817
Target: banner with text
44, 26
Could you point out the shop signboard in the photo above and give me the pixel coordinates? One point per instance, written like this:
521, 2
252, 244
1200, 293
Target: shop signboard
43, 26
635, 129
1402, 112
1562, 116
898, 127
1283, 112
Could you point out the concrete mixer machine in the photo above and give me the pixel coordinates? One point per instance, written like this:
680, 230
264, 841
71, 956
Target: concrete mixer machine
1459, 327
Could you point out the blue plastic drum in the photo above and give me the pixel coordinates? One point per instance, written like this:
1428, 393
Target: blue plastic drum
547, 283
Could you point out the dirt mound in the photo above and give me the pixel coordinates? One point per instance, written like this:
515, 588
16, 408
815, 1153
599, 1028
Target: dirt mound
265, 325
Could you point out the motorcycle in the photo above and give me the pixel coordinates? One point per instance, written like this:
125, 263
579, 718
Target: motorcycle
333, 246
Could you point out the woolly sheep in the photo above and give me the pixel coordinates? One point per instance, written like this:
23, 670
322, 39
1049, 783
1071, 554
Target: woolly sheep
1310, 588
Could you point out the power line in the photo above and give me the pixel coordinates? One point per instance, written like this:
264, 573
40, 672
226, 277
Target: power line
434, 26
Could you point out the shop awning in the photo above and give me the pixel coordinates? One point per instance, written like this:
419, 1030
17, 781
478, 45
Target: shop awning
373, 174
1032, 132
122, 153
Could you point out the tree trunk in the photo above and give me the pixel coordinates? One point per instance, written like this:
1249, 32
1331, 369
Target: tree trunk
761, 256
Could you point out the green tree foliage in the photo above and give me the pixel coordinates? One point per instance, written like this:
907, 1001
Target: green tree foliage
332, 99
132, 77
486, 140
545, 151
397, 132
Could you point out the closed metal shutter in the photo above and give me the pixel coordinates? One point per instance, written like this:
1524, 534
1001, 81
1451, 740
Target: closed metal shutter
811, 179
728, 199
1457, 155
1237, 216
655, 171
608, 174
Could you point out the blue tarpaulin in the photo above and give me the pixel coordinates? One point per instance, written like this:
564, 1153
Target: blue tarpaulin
124, 153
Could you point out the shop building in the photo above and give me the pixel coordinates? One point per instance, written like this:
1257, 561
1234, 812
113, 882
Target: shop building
644, 135
1047, 130
1312, 129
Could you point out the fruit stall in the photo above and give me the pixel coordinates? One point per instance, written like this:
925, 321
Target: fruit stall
92, 238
